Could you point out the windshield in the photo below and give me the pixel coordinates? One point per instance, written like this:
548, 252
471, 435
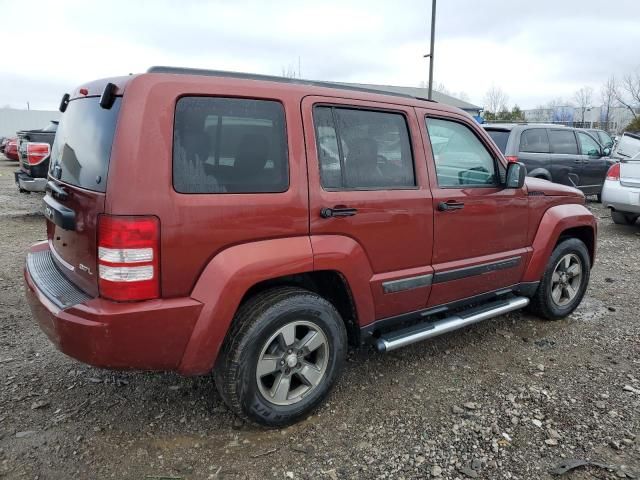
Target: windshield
82, 147
500, 137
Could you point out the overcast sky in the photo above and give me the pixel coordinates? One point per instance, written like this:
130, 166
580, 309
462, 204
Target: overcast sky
535, 51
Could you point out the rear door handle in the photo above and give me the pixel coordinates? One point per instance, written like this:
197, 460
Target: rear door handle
450, 205
337, 212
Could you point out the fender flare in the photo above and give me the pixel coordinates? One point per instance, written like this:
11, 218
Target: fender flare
540, 173
232, 272
346, 256
554, 222
223, 283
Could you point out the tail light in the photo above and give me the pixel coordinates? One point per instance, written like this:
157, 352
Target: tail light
511, 158
37, 152
614, 172
128, 257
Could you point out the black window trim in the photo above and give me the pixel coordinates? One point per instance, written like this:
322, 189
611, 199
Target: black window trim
238, 97
367, 108
546, 131
563, 130
496, 162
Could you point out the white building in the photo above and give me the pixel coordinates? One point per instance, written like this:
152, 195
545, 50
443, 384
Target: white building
594, 117
12, 120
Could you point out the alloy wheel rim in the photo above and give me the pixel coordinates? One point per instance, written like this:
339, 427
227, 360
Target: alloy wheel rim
292, 362
566, 279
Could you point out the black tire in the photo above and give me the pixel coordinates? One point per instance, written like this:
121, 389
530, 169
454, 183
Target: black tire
542, 303
622, 218
256, 321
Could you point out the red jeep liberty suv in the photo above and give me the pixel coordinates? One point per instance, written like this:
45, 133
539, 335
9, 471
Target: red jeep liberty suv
252, 227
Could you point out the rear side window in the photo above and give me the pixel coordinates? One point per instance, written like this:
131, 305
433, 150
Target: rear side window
500, 137
460, 157
229, 145
563, 141
534, 140
363, 149
82, 146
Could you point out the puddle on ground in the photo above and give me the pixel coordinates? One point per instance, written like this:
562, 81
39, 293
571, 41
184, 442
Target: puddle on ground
589, 310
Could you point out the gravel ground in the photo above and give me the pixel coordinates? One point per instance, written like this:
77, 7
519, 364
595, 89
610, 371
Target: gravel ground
510, 398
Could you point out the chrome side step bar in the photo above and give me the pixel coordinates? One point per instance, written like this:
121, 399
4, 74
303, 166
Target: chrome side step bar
416, 333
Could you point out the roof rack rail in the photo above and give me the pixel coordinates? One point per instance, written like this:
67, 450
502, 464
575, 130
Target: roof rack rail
273, 78
426, 99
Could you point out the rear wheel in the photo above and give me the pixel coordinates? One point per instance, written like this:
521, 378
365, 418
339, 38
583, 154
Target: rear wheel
284, 353
622, 218
564, 282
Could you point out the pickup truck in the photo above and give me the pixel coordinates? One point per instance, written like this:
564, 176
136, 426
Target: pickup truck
34, 150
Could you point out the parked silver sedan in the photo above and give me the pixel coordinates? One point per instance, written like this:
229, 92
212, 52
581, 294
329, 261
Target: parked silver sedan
621, 191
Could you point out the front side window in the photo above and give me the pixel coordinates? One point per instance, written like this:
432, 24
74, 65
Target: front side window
534, 140
362, 149
229, 145
563, 141
460, 157
605, 139
588, 145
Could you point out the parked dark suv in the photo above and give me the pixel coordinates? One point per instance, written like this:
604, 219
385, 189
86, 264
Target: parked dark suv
251, 226
565, 155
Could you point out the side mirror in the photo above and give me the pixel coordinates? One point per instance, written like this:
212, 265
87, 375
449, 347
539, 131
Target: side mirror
606, 152
516, 172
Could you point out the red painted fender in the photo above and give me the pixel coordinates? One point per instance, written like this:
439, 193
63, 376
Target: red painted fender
223, 283
344, 255
555, 221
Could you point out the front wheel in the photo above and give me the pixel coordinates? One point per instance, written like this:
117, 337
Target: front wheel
282, 356
622, 218
564, 281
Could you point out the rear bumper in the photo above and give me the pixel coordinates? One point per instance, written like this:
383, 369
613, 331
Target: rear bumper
620, 198
28, 183
150, 335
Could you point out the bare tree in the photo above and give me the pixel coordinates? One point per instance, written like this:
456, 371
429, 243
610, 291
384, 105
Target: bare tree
627, 93
560, 110
289, 72
583, 99
442, 88
607, 97
495, 100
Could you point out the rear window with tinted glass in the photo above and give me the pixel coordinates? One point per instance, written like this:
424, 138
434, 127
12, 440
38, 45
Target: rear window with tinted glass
500, 137
563, 141
229, 145
534, 140
82, 145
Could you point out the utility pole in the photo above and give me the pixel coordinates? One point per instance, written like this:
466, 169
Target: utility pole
430, 54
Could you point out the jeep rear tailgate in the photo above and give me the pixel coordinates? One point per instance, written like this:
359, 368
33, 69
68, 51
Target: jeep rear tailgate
76, 188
